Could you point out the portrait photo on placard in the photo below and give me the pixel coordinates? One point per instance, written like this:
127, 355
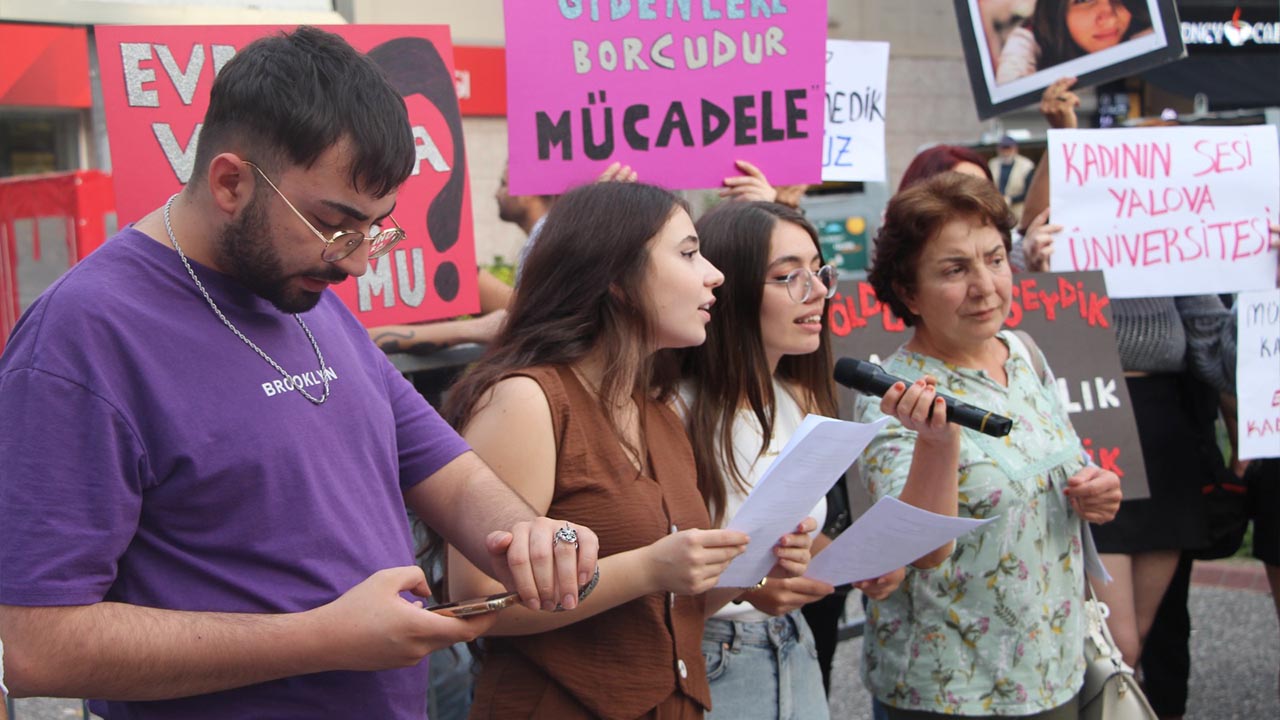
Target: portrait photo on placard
1017, 48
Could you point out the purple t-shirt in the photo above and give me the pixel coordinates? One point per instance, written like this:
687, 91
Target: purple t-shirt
149, 456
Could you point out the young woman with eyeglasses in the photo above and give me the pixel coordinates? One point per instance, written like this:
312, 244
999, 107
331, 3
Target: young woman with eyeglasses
765, 365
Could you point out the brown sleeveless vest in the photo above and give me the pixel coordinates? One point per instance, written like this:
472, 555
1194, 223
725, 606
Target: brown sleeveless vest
640, 658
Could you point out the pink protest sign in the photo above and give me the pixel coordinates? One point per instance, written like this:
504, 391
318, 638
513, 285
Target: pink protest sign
677, 89
1168, 210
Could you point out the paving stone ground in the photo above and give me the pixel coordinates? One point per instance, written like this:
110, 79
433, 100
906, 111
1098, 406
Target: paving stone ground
1235, 649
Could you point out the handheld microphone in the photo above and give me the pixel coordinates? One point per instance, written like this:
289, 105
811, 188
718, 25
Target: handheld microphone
869, 378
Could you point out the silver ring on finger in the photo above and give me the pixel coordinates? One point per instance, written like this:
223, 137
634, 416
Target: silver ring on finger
566, 535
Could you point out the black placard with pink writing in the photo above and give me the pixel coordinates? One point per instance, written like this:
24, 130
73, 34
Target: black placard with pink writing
1069, 317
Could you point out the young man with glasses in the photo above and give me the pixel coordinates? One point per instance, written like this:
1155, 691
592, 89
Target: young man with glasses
205, 461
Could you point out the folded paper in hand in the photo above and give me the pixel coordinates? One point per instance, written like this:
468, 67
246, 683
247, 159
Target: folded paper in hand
819, 452
890, 535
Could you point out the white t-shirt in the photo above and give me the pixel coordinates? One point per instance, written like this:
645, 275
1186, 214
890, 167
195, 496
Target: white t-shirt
751, 466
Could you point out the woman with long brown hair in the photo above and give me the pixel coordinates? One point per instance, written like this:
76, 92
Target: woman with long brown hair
565, 408
766, 364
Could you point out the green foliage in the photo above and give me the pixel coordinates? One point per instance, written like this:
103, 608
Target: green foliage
502, 270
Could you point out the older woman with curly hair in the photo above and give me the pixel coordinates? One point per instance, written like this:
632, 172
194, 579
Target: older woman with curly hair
990, 624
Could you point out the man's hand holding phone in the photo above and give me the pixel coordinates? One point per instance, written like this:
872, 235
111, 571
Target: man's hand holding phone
371, 627
476, 606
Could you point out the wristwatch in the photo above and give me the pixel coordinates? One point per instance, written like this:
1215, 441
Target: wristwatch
738, 600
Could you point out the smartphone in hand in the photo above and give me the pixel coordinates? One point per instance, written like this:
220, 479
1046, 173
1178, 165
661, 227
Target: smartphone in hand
477, 606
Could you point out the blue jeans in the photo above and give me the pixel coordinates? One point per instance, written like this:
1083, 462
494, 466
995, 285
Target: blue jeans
767, 670
450, 683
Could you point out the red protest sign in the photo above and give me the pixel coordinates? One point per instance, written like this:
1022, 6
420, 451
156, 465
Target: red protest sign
155, 85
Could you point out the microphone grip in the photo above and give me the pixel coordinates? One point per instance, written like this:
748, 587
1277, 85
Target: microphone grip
975, 418
869, 378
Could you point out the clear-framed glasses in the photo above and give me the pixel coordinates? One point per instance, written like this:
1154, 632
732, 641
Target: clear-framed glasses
799, 283
344, 242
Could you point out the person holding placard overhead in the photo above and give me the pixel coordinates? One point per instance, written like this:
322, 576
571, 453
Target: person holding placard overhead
991, 624
765, 365
1178, 354
566, 406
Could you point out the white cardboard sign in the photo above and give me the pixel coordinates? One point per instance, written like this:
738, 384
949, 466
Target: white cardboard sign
857, 79
1169, 210
1258, 374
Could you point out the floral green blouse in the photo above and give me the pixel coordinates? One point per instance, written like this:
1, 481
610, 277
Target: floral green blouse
997, 628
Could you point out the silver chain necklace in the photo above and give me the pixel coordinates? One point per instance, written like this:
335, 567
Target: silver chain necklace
324, 376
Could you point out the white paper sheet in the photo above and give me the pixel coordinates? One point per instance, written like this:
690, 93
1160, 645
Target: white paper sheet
1093, 566
1167, 211
888, 536
1258, 374
816, 456
857, 78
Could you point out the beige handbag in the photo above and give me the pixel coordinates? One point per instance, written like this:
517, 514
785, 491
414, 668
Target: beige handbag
1110, 691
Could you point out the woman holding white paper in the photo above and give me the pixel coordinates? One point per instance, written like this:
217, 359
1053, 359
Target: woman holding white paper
566, 409
990, 624
765, 365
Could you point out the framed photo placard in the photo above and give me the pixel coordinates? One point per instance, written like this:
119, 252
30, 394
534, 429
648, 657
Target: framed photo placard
1013, 57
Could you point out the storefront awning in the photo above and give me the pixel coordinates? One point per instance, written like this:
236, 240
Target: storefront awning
44, 66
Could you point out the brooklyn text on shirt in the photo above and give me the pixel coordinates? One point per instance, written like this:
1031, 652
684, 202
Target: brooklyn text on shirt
284, 385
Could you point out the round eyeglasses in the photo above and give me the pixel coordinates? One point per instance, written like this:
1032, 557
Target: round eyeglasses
344, 242
800, 286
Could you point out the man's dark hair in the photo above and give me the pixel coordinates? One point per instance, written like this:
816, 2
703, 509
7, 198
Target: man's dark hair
288, 97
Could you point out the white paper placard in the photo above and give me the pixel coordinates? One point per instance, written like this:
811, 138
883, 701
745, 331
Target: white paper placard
819, 452
1258, 374
892, 534
1168, 210
857, 78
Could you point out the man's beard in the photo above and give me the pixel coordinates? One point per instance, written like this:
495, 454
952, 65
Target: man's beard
245, 249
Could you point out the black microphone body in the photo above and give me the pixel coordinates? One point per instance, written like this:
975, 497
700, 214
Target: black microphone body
870, 378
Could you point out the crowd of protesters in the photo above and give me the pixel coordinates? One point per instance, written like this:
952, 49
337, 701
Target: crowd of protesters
179, 543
